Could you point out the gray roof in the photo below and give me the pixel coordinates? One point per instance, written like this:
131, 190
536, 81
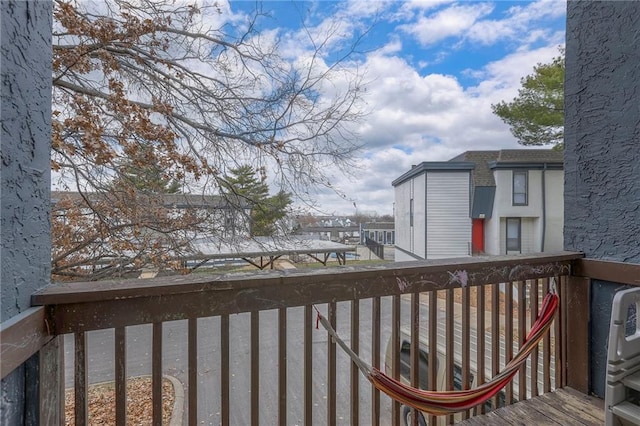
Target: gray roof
531, 155
432, 166
195, 201
378, 225
481, 174
485, 161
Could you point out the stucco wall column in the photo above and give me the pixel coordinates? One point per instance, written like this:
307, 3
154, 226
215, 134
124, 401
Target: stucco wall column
25, 114
602, 149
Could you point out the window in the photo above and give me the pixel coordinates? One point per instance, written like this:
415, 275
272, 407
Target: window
514, 235
520, 188
411, 212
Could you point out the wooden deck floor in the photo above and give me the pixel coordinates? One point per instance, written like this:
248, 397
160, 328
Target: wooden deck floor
562, 407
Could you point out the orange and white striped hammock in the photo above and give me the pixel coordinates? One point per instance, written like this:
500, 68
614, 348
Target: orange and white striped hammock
448, 402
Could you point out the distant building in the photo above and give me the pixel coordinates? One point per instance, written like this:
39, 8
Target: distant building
213, 214
331, 228
380, 232
480, 202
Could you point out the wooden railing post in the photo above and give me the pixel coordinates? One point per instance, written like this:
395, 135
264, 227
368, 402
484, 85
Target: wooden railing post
576, 333
51, 383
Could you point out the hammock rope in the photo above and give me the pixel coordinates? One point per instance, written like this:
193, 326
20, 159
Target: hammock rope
449, 402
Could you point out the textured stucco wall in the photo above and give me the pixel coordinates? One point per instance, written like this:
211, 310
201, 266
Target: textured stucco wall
25, 70
602, 148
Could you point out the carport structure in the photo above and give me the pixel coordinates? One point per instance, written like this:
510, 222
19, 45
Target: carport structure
262, 252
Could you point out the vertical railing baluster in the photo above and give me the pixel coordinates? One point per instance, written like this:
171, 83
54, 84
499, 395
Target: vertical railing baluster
560, 351
449, 349
331, 369
193, 370
282, 366
308, 366
564, 292
156, 374
433, 343
121, 375
80, 379
522, 325
480, 340
466, 346
395, 369
415, 347
546, 348
255, 368
508, 335
375, 359
495, 336
224, 369
533, 306
355, 347
545, 372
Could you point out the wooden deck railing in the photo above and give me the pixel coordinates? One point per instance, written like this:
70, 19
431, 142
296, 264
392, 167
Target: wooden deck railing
246, 349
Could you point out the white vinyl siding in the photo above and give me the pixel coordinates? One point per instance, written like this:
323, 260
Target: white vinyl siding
419, 216
410, 237
448, 221
403, 230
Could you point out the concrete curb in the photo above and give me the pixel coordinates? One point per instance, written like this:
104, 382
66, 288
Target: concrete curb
178, 401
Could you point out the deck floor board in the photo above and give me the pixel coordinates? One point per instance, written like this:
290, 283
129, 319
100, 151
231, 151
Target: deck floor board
563, 407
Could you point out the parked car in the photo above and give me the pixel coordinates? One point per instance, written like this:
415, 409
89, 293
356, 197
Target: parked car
405, 369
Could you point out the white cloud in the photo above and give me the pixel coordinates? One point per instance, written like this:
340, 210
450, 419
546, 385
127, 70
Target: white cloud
418, 118
357, 9
452, 21
394, 46
518, 23
471, 22
415, 117
411, 6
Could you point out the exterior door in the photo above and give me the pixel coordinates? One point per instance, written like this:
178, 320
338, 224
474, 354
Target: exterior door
514, 235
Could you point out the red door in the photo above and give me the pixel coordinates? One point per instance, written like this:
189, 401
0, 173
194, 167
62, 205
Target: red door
477, 236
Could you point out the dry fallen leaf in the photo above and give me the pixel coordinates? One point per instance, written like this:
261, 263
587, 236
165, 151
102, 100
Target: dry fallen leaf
102, 409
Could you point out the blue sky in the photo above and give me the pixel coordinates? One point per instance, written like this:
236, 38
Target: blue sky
434, 68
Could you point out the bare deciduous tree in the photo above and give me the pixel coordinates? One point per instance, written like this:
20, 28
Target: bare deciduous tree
193, 93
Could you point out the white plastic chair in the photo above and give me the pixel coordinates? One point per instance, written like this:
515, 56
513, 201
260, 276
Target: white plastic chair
623, 361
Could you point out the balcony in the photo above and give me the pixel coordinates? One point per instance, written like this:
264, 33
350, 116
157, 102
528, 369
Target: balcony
246, 348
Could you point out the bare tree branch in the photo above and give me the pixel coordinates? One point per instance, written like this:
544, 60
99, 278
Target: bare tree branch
187, 95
